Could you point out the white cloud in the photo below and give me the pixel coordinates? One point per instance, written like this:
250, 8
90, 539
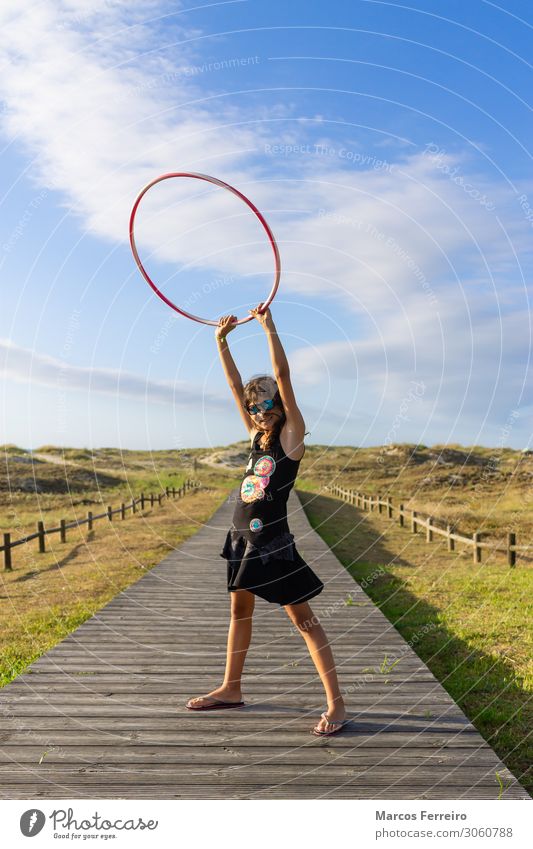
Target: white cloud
83, 86
24, 365
469, 365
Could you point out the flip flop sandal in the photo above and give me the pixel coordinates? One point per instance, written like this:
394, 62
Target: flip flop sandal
219, 704
339, 722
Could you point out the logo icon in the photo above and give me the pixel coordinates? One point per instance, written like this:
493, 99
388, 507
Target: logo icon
31, 822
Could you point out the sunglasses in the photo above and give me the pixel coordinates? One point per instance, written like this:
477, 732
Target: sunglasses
262, 407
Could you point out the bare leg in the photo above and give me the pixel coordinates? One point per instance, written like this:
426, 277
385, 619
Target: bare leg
239, 636
317, 642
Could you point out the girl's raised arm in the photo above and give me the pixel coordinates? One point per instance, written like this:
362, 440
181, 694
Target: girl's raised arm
294, 429
225, 325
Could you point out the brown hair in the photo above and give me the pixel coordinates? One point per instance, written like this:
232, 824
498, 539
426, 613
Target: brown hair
251, 390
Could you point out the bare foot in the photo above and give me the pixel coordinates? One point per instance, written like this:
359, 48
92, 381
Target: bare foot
223, 693
335, 713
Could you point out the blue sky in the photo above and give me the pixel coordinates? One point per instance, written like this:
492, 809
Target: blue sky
388, 146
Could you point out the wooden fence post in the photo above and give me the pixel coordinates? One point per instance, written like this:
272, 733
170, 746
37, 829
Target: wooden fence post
389, 507
142, 500
379, 502
151, 499
159, 498
451, 542
173, 492
110, 513
401, 516
511, 554
89, 520
414, 524
133, 506
122, 511
7, 553
476, 536
62, 530
40, 531
429, 532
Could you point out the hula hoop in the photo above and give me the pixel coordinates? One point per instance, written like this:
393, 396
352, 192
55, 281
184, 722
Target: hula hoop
240, 195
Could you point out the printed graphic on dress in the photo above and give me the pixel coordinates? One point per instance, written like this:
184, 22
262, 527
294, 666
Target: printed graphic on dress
251, 489
256, 524
265, 466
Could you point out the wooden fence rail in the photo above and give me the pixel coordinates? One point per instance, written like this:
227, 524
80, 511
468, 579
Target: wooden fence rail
42, 532
450, 532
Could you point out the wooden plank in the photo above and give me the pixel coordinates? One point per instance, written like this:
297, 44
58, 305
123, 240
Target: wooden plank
377, 775
198, 660
187, 754
258, 791
274, 697
117, 735
384, 721
258, 666
254, 684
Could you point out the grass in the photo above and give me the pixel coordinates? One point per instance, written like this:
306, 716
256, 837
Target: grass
482, 489
471, 624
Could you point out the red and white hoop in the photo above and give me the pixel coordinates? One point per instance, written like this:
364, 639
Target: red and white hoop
240, 195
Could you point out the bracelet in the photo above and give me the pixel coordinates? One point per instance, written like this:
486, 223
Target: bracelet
221, 338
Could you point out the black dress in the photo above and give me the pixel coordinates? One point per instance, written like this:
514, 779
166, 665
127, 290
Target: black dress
259, 547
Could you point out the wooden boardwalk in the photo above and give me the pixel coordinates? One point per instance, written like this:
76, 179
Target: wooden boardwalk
102, 715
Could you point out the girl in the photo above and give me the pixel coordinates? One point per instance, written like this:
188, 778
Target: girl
262, 558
